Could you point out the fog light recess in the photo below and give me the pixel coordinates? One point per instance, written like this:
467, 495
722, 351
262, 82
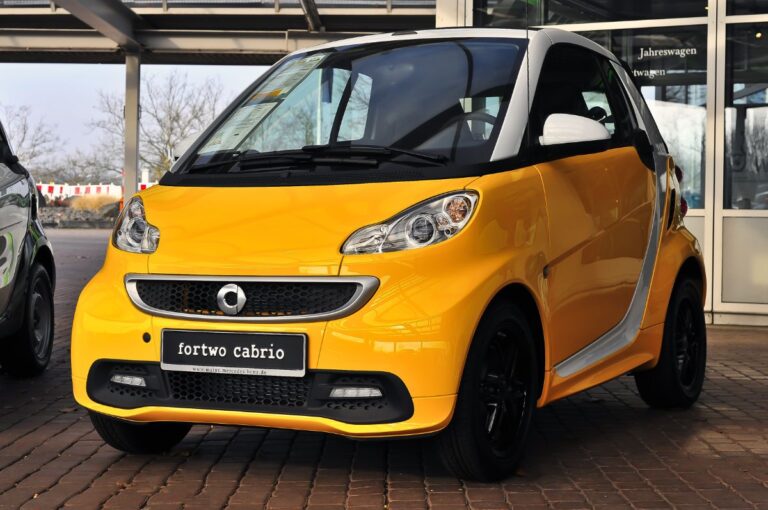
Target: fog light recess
129, 380
356, 392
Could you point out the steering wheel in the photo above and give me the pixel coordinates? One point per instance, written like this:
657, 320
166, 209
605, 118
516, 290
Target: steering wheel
480, 116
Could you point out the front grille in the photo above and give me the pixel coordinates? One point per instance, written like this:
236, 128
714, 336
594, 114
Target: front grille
246, 390
262, 299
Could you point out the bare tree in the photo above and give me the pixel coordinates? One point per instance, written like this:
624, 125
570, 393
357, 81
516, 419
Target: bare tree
80, 167
34, 140
172, 108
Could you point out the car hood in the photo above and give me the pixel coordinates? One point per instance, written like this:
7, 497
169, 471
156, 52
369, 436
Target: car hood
251, 231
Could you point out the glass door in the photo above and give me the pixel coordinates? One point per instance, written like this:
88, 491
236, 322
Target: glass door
741, 206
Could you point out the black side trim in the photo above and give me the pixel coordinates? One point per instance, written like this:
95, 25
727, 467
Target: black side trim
671, 209
644, 149
305, 396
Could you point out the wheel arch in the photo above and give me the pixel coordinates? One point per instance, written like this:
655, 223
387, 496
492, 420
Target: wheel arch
44, 257
693, 269
522, 296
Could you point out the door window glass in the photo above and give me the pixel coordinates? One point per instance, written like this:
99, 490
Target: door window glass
670, 67
571, 82
6, 174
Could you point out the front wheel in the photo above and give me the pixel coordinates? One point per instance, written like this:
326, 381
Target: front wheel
139, 437
486, 439
678, 377
28, 351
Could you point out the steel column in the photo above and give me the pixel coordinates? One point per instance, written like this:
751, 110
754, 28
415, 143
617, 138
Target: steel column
132, 112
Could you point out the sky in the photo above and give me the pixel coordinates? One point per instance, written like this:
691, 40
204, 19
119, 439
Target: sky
66, 95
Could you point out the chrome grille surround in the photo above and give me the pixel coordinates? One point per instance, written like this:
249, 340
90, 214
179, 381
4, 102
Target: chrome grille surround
366, 286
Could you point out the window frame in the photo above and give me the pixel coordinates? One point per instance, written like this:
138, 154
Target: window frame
538, 153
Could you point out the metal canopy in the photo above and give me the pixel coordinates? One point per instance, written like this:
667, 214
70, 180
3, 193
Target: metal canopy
111, 18
173, 32
176, 32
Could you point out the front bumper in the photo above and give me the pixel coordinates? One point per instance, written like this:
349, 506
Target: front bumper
417, 327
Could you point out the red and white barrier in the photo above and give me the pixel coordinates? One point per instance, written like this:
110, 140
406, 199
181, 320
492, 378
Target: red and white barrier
52, 190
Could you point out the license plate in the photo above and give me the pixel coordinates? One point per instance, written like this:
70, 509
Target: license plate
280, 354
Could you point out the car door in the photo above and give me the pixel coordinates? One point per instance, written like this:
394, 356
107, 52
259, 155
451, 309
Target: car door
599, 201
14, 214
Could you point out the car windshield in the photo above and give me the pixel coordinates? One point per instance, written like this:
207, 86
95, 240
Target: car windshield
426, 104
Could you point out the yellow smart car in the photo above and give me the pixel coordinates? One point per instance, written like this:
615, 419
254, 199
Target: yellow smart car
419, 233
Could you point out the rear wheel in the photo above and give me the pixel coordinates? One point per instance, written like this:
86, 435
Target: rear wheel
139, 437
497, 397
677, 379
27, 352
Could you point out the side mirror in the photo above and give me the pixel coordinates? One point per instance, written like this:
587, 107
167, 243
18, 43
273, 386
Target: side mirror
181, 146
562, 128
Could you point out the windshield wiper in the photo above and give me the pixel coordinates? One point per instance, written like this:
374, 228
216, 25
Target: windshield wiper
317, 155
269, 161
292, 156
375, 150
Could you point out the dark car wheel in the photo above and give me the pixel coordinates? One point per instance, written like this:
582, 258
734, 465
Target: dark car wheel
677, 379
27, 352
497, 397
139, 437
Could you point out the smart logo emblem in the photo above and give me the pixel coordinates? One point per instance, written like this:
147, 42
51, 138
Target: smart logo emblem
231, 299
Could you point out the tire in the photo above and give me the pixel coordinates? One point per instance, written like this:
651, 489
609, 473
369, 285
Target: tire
139, 437
486, 438
677, 379
27, 352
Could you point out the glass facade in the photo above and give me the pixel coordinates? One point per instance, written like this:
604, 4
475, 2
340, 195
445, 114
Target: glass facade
746, 117
514, 13
747, 6
702, 65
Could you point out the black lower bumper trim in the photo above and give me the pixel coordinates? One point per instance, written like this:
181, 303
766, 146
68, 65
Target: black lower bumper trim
306, 396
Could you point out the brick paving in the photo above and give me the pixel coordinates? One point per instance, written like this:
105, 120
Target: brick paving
601, 449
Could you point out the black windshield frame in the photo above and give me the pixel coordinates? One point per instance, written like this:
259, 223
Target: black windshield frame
389, 170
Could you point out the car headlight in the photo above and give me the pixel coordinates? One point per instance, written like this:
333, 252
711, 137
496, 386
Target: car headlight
132, 231
424, 224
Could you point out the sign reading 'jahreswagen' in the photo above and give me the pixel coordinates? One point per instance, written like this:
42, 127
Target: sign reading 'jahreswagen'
648, 54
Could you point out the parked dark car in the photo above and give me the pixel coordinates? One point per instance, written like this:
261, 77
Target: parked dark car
27, 272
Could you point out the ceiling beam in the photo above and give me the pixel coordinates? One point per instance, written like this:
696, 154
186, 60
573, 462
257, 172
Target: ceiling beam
168, 45
223, 42
111, 18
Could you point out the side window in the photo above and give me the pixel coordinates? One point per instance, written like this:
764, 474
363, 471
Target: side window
623, 118
6, 174
573, 82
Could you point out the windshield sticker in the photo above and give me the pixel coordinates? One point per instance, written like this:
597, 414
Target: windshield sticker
284, 80
249, 116
234, 131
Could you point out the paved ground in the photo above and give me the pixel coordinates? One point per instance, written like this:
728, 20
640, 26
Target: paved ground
603, 449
